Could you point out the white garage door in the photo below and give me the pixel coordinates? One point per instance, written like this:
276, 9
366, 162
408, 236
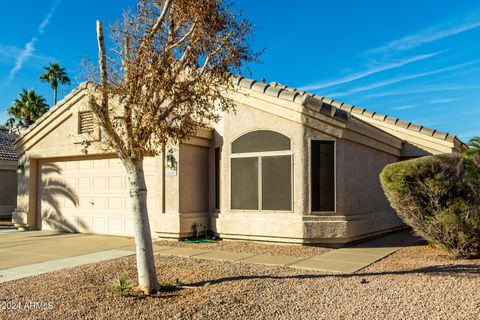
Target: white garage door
90, 196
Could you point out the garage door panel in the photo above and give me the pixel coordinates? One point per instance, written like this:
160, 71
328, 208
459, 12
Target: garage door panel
70, 165
100, 224
100, 182
100, 164
90, 196
85, 164
128, 226
116, 182
116, 203
99, 203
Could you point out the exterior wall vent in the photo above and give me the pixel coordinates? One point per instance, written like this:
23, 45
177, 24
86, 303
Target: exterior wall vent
86, 124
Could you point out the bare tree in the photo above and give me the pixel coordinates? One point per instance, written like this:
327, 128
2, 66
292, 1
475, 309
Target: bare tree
166, 77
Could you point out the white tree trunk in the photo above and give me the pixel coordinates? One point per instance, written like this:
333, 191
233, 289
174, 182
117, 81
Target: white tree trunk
147, 276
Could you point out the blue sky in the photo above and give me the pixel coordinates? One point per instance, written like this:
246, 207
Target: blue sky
416, 60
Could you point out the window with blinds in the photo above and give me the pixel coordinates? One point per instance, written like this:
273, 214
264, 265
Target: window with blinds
86, 122
261, 172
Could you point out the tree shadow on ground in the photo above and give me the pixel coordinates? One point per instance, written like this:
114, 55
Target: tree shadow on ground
452, 269
54, 191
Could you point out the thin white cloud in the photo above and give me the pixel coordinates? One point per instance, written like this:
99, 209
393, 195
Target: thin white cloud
384, 83
405, 107
425, 89
46, 21
29, 49
430, 35
22, 57
10, 54
444, 100
371, 71
434, 121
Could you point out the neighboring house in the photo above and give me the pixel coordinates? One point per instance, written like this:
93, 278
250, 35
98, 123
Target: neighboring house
286, 166
8, 174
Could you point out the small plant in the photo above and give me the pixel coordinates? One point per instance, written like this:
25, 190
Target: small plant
121, 285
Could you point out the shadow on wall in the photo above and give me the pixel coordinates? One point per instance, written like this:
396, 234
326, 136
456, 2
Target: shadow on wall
55, 195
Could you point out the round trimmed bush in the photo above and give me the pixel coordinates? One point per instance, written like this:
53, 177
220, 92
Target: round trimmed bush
439, 197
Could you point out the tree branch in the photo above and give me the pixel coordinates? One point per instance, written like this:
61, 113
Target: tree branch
185, 37
158, 23
214, 53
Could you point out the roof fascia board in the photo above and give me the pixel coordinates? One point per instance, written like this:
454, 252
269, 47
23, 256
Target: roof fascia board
443, 146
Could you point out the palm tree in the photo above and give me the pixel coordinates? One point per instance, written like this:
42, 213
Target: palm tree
28, 107
55, 75
474, 145
9, 124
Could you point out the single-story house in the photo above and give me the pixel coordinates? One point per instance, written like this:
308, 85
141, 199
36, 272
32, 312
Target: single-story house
287, 166
8, 174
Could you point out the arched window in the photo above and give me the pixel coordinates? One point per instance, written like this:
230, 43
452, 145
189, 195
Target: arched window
261, 141
261, 172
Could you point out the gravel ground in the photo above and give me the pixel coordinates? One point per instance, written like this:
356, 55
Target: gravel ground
252, 247
414, 283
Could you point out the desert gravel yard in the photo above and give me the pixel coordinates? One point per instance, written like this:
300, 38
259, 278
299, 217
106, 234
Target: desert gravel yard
414, 283
251, 247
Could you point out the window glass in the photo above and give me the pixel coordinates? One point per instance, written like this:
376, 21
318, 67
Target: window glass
276, 183
323, 175
261, 141
217, 178
244, 175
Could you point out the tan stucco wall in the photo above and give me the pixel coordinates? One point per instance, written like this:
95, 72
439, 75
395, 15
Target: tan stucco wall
361, 167
57, 138
187, 194
258, 224
361, 207
361, 152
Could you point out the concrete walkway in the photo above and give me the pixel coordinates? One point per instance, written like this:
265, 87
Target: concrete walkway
356, 257
24, 254
344, 260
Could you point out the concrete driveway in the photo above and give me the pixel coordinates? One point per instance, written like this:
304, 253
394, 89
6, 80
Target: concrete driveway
26, 248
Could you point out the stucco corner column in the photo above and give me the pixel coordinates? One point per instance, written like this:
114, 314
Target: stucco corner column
24, 216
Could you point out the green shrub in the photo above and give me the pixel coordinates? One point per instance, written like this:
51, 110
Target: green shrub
439, 197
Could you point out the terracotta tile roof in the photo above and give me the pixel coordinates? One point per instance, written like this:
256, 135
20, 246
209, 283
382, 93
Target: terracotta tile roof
6, 148
338, 110
277, 90
335, 109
